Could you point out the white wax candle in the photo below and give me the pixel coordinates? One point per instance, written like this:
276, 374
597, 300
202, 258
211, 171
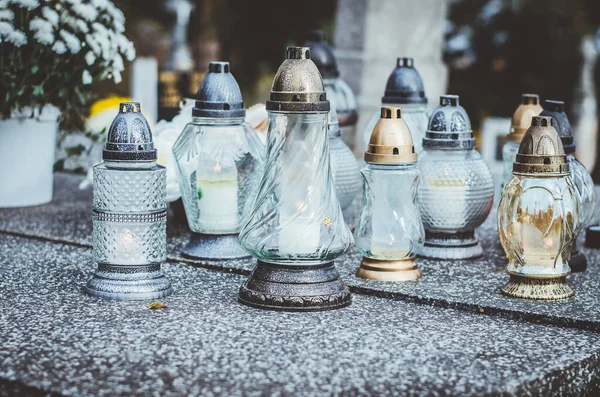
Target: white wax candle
218, 199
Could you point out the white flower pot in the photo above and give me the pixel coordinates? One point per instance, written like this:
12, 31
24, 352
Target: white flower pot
27, 146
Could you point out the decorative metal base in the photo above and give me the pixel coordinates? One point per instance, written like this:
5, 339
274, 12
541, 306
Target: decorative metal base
295, 288
578, 261
128, 283
214, 247
547, 289
380, 270
461, 245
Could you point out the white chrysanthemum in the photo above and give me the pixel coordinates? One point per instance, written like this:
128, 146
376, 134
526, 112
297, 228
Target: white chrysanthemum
50, 15
72, 42
6, 28
59, 47
39, 24
7, 15
28, 4
86, 77
118, 63
91, 41
86, 11
117, 77
100, 4
90, 58
43, 37
17, 37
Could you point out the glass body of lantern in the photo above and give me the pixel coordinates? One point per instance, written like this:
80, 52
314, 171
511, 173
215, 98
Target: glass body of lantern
415, 116
340, 93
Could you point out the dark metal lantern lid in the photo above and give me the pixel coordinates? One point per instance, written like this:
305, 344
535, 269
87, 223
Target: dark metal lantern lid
129, 136
541, 151
297, 86
404, 86
322, 55
556, 110
449, 126
219, 94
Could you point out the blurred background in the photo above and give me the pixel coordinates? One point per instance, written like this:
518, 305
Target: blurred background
486, 51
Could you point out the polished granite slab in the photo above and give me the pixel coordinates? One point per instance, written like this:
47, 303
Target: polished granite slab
58, 341
466, 285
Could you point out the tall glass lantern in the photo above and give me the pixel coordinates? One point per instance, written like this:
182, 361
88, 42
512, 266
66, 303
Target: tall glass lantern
296, 228
336, 89
389, 232
219, 160
521, 120
405, 88
581, 178
129, 219
537, 217
456, 190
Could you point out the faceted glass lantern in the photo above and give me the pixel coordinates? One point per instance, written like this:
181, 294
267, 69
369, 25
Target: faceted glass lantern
537, 217
456, 190
336, 89
389, 232
130, 213
296, 228
521, 120
581, 178
219, 160
346, 176
405, 88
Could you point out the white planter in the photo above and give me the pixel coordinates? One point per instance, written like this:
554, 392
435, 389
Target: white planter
27, 146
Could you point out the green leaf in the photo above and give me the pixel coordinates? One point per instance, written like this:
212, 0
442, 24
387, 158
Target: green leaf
75, 150
38, 90
34, 69
59, 165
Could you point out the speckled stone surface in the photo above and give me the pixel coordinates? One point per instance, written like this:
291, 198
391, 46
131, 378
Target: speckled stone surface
466, 285
57, 340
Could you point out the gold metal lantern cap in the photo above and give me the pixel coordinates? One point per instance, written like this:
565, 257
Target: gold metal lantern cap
391, 142
541, 152
521, 120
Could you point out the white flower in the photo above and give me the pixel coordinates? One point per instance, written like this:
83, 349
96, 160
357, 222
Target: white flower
59, 47
4, 3
29, 4
86, 77
43, 31
17, 37
91, 41
6, 28
90, 58
100, 4
163, 142
45, 38
7, 15
117, 77
72, 42
118, 63
86, 11
50, 15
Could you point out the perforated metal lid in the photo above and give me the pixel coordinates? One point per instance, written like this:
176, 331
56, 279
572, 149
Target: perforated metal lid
129, 136
449, 126
391, 141
322, 54
404, 86
556, 110
541, 151
219, 94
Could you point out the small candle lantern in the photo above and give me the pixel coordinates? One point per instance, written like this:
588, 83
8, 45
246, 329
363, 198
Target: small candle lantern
130, 213
456, 190
581, 178
296, 229
521, 121
537, 217
219, 160
405, 88
389, 232
336, 89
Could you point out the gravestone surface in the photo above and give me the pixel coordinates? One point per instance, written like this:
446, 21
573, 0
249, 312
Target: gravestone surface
57, 340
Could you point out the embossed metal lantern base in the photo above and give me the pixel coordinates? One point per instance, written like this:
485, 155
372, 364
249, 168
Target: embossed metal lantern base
214, 247
295, 288
128, 283
547, 289
578, 261
460, 245
401, 270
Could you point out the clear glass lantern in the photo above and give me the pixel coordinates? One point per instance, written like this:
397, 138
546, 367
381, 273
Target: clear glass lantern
405, 88
346, 176
296, 228
581, 178
389, 232
538, 216
521, 120
337, 90
219, 160
456, 190
130, 212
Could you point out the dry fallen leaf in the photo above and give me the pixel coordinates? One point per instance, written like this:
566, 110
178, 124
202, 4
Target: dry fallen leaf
157, 305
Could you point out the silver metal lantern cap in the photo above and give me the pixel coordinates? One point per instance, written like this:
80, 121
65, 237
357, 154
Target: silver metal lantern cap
560, 121
322, 54
219, 94
541, 152
297, 86
449, 126
404, 86
129, 136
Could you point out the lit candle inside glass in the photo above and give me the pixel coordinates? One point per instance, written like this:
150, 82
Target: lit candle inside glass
217, 196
